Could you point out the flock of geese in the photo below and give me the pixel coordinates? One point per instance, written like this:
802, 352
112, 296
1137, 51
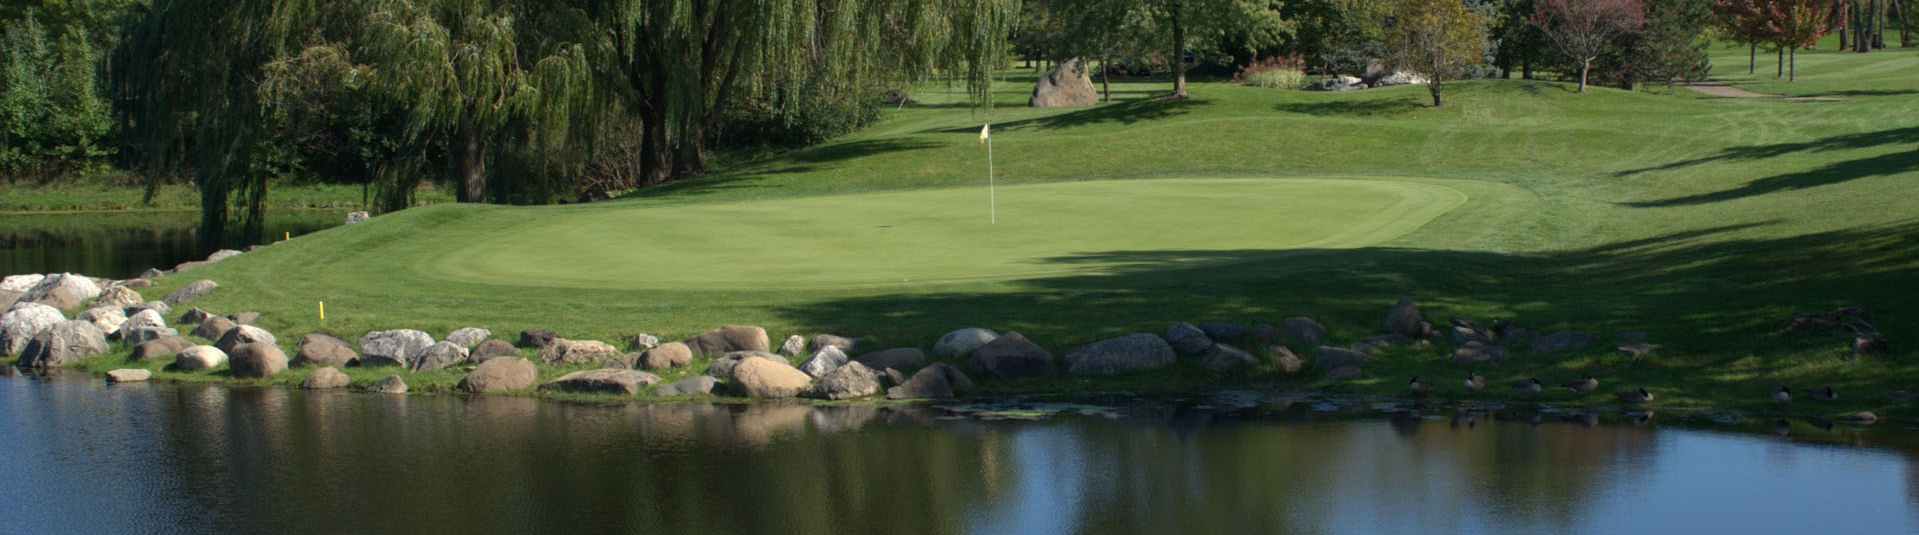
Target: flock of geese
1586, 385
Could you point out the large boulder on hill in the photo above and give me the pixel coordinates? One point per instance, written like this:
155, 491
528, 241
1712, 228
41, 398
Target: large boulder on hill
438, 356
1284, 357
22, 321
1187, 339
129, 375
62, 344
195, 315
491, 349
21, 283
107, 319
245, 318
853, 380
932, 382
318, 349
1011, 357
501, 374
1404, 320
1224, 332
118, 297
961, 343
604, 380
564, 351
1067, 84
1130, 353
155, 306
832, 340
1563, 341
1342, 374
723, 366
667, 355
164, 347
244, 334
728, 338
1225, 358
200, 358
326, 378
793, 346
1399, 78
699, 385
642, 342
222, 254
189, 292
824, 362
899, 358
767, 378
142, 326
62, 298
1337, 83
392, 384
77, 288
213, 327
8, 298
468, 337
393, 348
1328, 357
1305, 330
537, 338
256, 360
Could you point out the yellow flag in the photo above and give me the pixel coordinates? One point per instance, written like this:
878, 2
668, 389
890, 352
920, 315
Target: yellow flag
983, 134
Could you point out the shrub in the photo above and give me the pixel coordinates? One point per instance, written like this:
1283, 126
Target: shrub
1282, 72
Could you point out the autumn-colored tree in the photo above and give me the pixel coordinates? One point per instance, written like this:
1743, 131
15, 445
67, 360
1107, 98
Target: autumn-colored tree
1739, 22
1582, 29
1799, 24
1437, 39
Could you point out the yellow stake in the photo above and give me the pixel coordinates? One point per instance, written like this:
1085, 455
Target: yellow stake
289, 235
323, 310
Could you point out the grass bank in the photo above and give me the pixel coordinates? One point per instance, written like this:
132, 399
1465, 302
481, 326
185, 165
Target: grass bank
102, 195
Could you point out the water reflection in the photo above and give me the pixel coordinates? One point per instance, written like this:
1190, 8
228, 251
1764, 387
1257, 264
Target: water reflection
146, 457
122, 245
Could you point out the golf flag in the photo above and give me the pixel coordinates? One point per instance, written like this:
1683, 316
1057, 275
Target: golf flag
983, 132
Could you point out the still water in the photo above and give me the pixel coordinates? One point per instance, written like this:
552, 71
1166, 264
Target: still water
121, 245
85, 456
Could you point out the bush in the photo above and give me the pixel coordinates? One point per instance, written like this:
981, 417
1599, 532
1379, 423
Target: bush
1280, 72
52, 116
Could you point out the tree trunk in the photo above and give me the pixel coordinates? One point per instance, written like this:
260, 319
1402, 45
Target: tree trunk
654, 162
1585, 66
1526, 69
469, 162
1792, 68
1106, 79
1782, 64
1179, 54
688, 158
1879, 29
1752, 57
1434, 85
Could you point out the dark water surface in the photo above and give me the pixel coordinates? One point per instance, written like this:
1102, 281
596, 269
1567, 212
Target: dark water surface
84, 456
123, 244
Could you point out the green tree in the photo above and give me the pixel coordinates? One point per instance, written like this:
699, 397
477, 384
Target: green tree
52, 116
1438, 39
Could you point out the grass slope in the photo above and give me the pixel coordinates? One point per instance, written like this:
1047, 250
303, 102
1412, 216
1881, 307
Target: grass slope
1701, 220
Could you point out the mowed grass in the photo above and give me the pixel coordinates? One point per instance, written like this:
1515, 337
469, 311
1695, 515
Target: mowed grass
1703, 221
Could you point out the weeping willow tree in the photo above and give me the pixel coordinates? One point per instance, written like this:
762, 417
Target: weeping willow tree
679, 64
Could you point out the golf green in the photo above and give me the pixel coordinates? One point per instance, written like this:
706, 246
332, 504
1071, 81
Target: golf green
939, 235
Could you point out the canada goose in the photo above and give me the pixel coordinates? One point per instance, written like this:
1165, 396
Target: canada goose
1635, 396
1824, 394
1528, 388
1475, 383
1419, 386
1781, 396
1861, 417
1781, 427
1585, 385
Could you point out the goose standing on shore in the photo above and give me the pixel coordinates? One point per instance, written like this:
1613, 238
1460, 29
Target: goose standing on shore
1475, 382
1824, 394
1529, 388
1639, 395
1419, 386
1585, 385
1781, 396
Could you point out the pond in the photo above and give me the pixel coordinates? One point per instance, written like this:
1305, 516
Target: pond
124, 244
85, 456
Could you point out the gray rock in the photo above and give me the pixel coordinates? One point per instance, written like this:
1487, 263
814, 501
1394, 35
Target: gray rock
256, 360
1223, 332
793, 346
1328, 357
564, 351
490, 349
319, 349
1305, 330
189, 292
1224, 358
134, 283
1338, 83
1130, 353
828, 340
611, 381
1467, 331
1067, 84
326, 378
145, 334
156, 306
728, 338
961, 343
1399, 78
1471, 352
1519, 335
723, 366
118, 297
1563, 341
61, 298
1285, 358
438, 356
1011, 357
1380, 341
184, 267
244, 334
698, 385
667, 355
8, 298
200, 358
1342, 374
67, 286
21, 283
356, 217
899, 358
767, 378
393, 348
537, 338
245, 318
195, 315
145, 320
825, 361
1188, 340
129, 375
1404, 320
222, 254
107, 319
500, 374
853, 380
392, 384
932, 382
22, 321
164, 347
1265, 333
213, 327
62, 344
469, 337
151, 273
642, 342
629, 361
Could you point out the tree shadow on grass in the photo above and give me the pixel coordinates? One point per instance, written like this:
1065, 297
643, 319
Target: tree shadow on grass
1125, 113
1833, 173
799, 161
1351, 108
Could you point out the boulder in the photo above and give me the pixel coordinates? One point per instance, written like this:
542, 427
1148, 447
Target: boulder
1285, 358
1328, 357
129, 375
189, 292
244, 334
1342, 374
62, 344
728, 338
610, 381
245, 318
184, 267
22, 321
667, 355
21, 283
1224, 358
156, 306
1471, 352
825, 361
134, 283
392, 384
76, 288
958, 379
145, 320
767, 378
256, 359
499, 374
1130, 353
1404, 320
1467, 331
899, 358
1011, 357
469, 337
829, 340
1563, 341
642, 342
200, 358
1339, 83
222, 254
1265, 333
195, 315
1303, 329
932, 382
118, 297
1188, 340
1379, 341
490, 349
356, 217
537, 338
961, 343
393, 348
1223, 332
438, 356
1399, 78
323, 350
1066, 84
698, 385
213, 327
793, 346
151, 273
853, 380
8, 298
1519, 335
107, 319
630, 361
164, 347
723, 366
62, 298
326, 378
564, 351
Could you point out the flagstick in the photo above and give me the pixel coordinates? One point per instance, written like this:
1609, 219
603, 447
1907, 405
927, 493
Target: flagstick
992, 202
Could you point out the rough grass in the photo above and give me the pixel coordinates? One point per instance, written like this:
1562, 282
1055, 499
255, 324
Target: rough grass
1703, 221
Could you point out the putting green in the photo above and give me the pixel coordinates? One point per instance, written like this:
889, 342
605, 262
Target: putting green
928, 235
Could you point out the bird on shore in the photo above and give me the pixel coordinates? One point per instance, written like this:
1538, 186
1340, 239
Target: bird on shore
1635, 396
1528, 388
1585, 385
1475, 382
1781, 396
1419, 386
1824, 394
